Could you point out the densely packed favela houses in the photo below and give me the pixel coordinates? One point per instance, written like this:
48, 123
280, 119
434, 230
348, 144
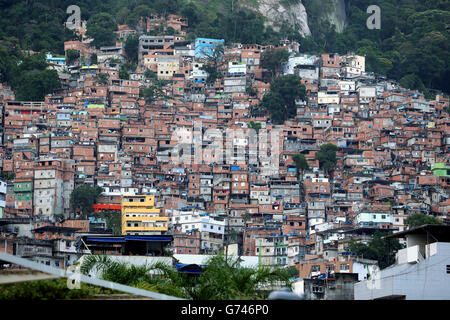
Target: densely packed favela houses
196, 166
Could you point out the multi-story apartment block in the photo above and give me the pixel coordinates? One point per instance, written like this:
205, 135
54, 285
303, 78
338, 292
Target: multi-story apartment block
53, 185
141, 217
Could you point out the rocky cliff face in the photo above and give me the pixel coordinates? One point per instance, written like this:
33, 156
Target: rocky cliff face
336, 15
294, 12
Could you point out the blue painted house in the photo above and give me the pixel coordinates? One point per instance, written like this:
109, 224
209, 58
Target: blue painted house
205, 46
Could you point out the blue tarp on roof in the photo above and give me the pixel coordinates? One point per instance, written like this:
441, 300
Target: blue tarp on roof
148, 238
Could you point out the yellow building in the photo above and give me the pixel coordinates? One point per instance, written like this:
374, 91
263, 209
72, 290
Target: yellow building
140, 217
168, 66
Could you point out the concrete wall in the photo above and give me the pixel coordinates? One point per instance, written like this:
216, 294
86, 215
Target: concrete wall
427, 280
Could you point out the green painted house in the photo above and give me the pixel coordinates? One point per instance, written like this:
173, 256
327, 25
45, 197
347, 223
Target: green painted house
441, 170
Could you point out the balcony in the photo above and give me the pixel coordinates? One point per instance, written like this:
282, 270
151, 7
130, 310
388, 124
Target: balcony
146, 219
140, 210
146, 229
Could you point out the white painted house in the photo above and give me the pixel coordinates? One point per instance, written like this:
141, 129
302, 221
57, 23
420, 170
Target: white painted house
421, 270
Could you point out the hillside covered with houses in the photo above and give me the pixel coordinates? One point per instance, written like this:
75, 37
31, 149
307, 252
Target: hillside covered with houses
200, 146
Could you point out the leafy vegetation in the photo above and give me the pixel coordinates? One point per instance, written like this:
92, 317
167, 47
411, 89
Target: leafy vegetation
48, 290
101, 27
327, 156
222, 279
255, 125
84, 197
280, 101
211, 66
413, 39
113, 221
7, 175
412, 45
27, 74
271, 59
300, 163
102, 78
72, 55
419, 219
382, 250
155, 91
132, 48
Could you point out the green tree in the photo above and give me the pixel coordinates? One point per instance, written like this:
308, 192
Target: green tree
280, 101
55, 289
250, 90
101, 27
138, 12
413, 82
155, 91
190, 11
30, 79
419, 219
382, 250
271, 102
83, 199
102, 78
36, 84
222, 278
7, 175
114, 61
113, 221
122, 15
123, 73
271, 59
327, 156
255, 125
149, 74
94, 58
72, 55
211, 66
300, 163
132, 48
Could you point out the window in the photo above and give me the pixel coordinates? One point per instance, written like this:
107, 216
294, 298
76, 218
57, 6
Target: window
315, 268
345, 267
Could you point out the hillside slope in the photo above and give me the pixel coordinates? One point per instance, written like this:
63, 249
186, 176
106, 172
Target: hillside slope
412, 45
